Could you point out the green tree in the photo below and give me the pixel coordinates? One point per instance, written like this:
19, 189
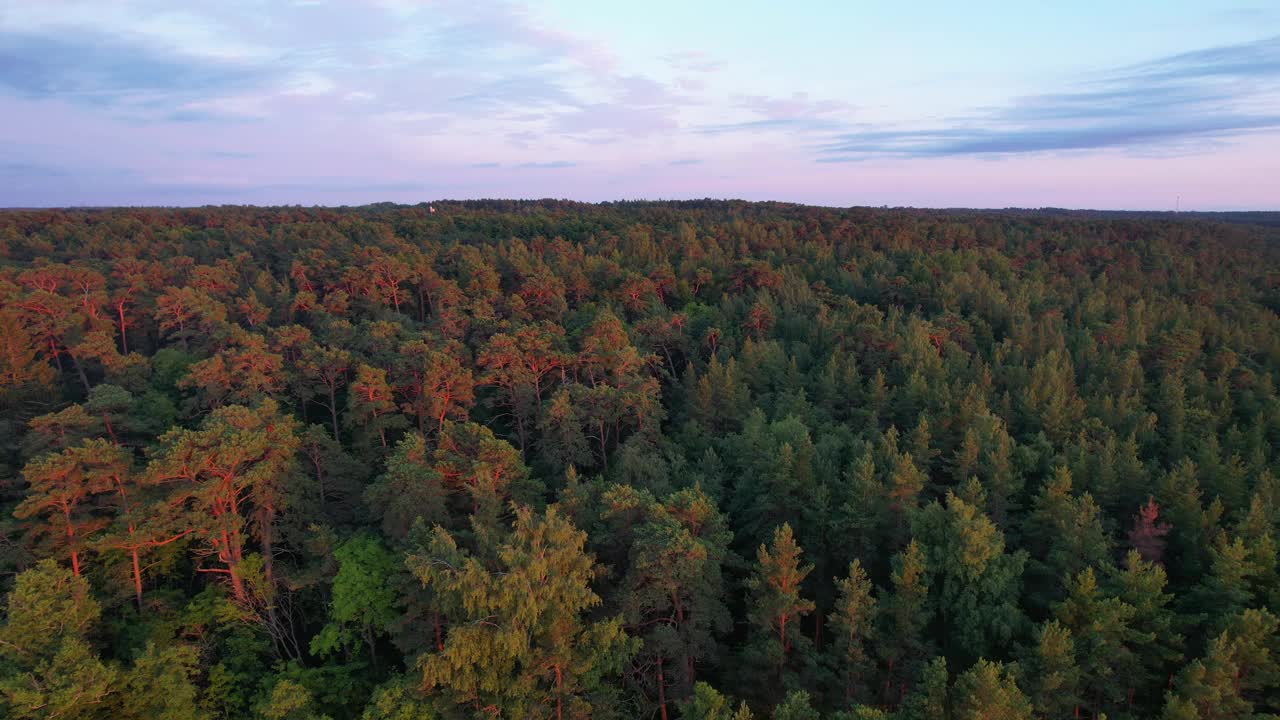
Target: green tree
852, 624
775, 609
1065, 534
47, 668
987, 691
928, 701
976, 581
410, 490
518, 641
672, 594
796, 705
1158, 643
1238, 675
399, 699
363, 599
160, 685
1105, 639
905, 615
1052, 674
289, 700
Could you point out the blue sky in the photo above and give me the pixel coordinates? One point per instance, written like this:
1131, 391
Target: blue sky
988, 104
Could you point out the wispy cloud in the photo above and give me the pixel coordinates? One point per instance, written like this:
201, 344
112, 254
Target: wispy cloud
798, 112
1176, 102
553, 165
693, 61
426, 67
93, 68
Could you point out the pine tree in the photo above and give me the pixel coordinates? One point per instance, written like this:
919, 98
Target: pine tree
928, 701
371, 408
1051, 671
1238, 675
47, 669
410, 489
433, 385
707, 703
905, 613
1065, 534
976, 581
852, 622
518, 642
64, 488
1105, 639
797, 705
775, 609
1158, 644
672, 594
987, 691
231, 476
20, 364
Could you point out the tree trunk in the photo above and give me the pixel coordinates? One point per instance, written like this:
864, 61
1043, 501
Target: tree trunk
124, 340
333, 414
559, 698
84, 379
137, 577
662, 692
71, 541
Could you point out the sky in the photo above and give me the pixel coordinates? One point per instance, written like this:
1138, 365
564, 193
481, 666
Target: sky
1114, 105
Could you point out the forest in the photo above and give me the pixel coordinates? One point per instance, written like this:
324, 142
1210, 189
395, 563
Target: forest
704, 460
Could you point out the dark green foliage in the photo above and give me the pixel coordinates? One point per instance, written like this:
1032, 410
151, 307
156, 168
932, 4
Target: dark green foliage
545, 459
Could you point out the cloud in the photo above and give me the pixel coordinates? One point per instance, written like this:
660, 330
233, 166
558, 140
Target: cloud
100, 69
553, 165
693, 61
685, 161
425, 67
797, 112
25, 170
1258, 59
1178, 103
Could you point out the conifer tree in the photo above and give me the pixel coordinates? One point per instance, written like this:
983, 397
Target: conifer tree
852, 622
64, 488
519, 643
671, 596
929, 699
1065, 534
1105, 639
371, 407
1159, 643
776, 607
977, 583
1053, 677
47, 668
987, 691
231, 476
905, 614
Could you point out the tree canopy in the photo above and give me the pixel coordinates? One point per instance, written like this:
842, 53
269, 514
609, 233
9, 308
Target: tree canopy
709, 459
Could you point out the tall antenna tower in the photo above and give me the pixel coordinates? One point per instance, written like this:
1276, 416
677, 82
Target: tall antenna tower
1177, 204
